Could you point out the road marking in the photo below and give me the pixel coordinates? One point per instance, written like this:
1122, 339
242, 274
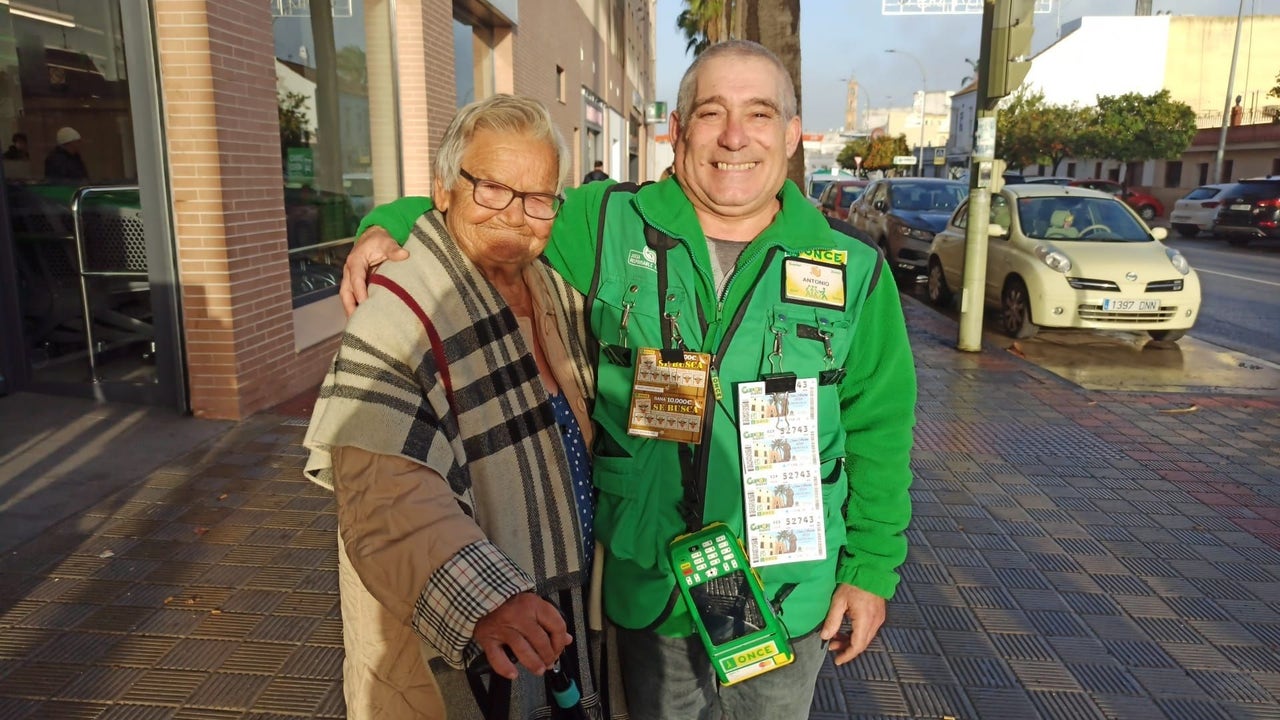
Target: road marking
1238, 277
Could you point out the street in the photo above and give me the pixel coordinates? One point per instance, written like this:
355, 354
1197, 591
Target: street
1234, 346
1241, 295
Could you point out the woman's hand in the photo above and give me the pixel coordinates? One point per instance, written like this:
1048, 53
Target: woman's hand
372, 248
531, 627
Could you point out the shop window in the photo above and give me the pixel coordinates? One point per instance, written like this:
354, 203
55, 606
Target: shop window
1173, 174
337, 130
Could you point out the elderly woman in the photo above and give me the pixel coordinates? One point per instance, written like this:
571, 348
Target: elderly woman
451, 426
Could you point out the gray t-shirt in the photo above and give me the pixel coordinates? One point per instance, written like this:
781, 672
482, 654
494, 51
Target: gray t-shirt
724, 255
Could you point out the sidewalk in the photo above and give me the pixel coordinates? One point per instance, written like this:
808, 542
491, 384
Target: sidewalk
1074, 555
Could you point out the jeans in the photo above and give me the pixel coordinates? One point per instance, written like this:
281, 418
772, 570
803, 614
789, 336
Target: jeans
670, 678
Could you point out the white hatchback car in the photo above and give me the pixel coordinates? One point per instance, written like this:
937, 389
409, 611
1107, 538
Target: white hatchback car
1198, 209
1069, 257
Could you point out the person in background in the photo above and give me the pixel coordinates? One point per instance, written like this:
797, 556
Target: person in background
64, 163
716, 259
597, 174
17, 148
453, 426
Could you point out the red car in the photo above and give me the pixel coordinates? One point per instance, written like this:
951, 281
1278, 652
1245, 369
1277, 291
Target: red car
1147, 206
837, 196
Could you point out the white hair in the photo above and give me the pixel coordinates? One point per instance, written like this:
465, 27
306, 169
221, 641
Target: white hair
499, 113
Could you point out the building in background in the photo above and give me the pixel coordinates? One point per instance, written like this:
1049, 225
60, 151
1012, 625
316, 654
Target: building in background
232, 149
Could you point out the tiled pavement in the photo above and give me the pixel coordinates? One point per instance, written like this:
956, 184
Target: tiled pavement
1074, 555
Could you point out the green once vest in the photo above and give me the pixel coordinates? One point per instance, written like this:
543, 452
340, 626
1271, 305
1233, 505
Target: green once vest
639, 480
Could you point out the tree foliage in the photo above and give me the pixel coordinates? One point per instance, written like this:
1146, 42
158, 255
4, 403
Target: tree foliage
1275, 91
707, 22
295, 124
860, 147
1135, 127
1032, 131
882, 150
1129, 128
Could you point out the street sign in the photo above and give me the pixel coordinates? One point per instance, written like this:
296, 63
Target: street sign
904, 159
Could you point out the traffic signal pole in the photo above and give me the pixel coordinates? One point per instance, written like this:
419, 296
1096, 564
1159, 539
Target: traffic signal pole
1006, 43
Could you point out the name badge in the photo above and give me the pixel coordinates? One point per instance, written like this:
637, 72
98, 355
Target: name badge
813, 283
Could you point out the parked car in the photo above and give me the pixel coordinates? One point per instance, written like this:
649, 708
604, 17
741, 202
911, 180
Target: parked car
1250, 209
1198, 209
817, 181
902, 214
1148, 206
1049, 179
1068, 257
839, 196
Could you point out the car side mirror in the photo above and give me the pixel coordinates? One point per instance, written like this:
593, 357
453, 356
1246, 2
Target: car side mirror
1159, 233
997, 231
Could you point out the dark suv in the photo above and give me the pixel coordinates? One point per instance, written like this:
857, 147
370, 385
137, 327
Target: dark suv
1250, 209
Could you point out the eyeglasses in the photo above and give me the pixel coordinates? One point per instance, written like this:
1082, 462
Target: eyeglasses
496, 196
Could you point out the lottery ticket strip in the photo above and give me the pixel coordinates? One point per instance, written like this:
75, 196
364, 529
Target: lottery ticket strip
1074, 554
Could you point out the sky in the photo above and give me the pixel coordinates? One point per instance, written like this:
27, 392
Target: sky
839, 37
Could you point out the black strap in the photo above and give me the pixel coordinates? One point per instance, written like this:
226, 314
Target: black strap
660, 243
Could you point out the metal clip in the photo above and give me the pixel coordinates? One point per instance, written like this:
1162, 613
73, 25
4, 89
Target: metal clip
622, 324
775, 357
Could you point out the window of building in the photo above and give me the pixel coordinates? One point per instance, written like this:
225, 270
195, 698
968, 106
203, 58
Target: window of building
1071, 169
1132, 173
1173, 174
337, 130
560, 84
1203, 170
473, 61
1097, 169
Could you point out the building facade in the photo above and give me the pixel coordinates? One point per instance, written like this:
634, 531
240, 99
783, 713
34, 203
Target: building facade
1190, 56
227, 151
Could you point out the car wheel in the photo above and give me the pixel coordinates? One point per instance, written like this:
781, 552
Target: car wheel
1187, 231
1015, 310
939, 293
1166, 335
1147, 213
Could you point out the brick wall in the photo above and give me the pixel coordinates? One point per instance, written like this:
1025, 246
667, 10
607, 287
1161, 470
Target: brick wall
424, 41
216, 61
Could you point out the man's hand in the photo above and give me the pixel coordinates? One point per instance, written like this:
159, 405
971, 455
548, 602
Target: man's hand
866, 614
531, 627
373, 248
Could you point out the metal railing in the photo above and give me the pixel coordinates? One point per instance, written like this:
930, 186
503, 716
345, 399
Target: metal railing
77, 224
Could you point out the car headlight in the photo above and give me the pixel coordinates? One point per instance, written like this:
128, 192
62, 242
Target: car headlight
1178, 261
1055, 259
916, 233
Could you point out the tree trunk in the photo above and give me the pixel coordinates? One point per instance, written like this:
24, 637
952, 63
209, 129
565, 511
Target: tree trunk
776, 25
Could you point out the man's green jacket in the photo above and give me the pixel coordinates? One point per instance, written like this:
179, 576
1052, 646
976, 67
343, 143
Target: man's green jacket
865, 417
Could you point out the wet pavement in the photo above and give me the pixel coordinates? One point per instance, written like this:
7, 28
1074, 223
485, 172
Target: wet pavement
1075, 553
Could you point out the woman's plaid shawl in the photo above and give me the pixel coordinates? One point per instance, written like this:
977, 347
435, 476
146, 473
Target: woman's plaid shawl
433, 368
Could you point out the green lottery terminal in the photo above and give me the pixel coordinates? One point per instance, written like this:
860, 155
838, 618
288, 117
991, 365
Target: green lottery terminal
726, 599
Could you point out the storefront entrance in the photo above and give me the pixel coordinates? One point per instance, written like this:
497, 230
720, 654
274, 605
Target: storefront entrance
89, 305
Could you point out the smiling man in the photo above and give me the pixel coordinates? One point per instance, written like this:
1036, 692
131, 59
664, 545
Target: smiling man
726, 277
